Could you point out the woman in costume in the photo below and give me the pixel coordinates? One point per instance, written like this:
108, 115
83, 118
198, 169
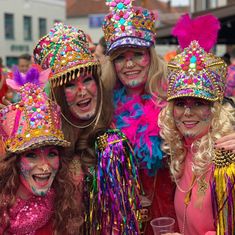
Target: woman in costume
192, 121
135, 75
37, 194
111, 187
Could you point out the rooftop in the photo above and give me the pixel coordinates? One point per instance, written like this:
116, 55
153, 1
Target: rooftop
83, 8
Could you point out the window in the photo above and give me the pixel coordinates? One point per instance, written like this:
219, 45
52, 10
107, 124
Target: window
10, 61
42, 27
27, 28
9, 26
211, 4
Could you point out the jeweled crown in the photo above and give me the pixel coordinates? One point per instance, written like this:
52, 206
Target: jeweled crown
196, 71
127, 25
32, 122
64, 49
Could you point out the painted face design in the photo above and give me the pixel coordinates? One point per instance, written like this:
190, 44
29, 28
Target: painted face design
81, 96
38, 168
192, 117
132, 67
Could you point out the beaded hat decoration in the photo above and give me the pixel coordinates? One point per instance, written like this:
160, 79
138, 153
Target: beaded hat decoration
35, 120
195, 71
65, 49
127, 25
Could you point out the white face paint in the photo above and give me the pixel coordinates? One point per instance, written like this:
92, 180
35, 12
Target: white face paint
132, 67
81, 96
38, 168
192, 117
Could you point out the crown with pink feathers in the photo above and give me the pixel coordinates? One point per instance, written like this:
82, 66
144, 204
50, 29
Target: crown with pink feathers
195, 71
128, 26
35, 120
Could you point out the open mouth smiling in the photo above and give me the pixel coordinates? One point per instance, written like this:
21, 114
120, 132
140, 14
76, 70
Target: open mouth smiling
190, 124
132, 73
84, 103
41, 178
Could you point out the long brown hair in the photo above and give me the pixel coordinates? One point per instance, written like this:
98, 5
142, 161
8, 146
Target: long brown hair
67, 208
82, 139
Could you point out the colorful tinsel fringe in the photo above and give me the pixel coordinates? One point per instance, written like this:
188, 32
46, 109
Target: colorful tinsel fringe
114, 198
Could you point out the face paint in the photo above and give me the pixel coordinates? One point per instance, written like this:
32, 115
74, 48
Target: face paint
132, 67
38, 168
192, 117
81, 96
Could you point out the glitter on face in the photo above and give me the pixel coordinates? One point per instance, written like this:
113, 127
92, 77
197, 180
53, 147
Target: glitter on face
132, 67
192, 116
81, 96
38, 168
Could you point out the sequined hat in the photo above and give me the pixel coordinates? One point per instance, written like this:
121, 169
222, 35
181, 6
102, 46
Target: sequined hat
35, 120
127, 25
65, 49
195, 71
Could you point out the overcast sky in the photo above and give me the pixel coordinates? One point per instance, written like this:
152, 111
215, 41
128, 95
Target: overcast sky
178, 2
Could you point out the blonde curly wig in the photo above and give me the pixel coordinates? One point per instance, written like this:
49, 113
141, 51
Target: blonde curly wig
221, 124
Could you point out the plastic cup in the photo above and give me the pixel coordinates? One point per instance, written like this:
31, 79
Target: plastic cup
162, 225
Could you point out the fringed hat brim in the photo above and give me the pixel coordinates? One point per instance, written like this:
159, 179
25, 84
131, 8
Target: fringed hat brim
61, 78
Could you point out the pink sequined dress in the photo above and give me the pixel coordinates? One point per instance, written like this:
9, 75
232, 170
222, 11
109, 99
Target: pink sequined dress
30, 217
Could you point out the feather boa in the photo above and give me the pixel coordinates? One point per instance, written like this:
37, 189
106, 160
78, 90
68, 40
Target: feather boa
137, 118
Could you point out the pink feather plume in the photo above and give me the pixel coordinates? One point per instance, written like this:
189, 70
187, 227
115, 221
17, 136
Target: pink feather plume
32, 76
203, 29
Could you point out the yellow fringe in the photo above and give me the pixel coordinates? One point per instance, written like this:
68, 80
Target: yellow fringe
221, 177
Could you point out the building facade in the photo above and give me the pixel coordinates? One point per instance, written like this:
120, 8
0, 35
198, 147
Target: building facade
201, 5
23, 22
224, 10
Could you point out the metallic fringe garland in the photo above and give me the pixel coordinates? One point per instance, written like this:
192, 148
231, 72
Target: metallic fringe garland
116, 186
63, 78
223, 191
